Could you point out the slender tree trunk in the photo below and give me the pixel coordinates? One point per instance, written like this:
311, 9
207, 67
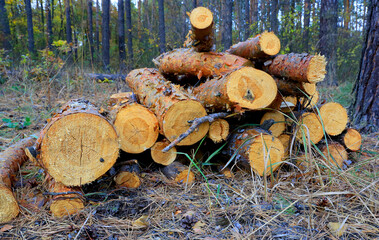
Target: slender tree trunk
247, 18
327, 42
307, 12
42, 14
49, 25
346, 14
227, 9
121, 34
68, 29
90, 29
274, 16
5, 31
239, 18
162, 31
29, 18
365, 108
60, 35
254, 15
105, 32
52, 9
129, 33
97, 38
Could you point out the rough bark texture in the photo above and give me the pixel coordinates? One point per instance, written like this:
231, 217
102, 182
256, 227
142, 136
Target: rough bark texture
129, 33
105, 31
227, 12
90, 28
68, 27
334, 118
247, 20
257, 150
49, 25
10, 161
202, 29
307, 13
78, 145
179, 173
171, 104
189, 62
298, 67
29, 19
97, 37
163, 158
365, 109
121, 34
5, 31
246, 87
274, 9
261, 46
162, 31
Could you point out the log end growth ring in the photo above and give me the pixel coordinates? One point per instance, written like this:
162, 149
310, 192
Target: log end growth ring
201, 18
311, 122
8, 205
279, 125
352, 139
269, 43
79, 148
251, 88
334, 117
176, 121
316, 69
218, 130
164, 158
137, 128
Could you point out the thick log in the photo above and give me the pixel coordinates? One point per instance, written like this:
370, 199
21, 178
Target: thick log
246, 87
184, 61
279, 126
288, 104
136, 126
173, 106
285, 139
179, 173
335, 154
298, 67
218, 130
334, 118
160, 157
261, 46
309, 125
129, 175
352, 139
78, 145
202, 29
293, 88
257, 150
11, 160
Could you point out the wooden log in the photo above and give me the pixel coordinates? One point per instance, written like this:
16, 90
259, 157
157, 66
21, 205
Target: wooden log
334, 118
179, 173
78, 145
11, 160
292, 88
285, 139
163, 158
218, 130
310, 101
279, 126
261, 46
288, 104
257, 150
352, 139
335, 154
185, 61
309, 125
65, 204
128, 175
173, 106
201, 20
136, 126
298, 67
246, 87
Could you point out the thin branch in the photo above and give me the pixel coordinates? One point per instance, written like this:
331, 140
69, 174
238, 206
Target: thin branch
63, 193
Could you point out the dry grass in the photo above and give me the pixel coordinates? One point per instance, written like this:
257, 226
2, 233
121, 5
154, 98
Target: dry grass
291, 205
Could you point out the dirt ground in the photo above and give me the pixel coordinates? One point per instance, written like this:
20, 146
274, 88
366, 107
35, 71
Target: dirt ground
289, 205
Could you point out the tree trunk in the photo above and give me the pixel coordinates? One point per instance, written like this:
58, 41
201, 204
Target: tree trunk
227, 9
247, 18
346, 14
49, 25
73, 151
173, 106
162, 31
327, 42
90, 28
97, 37
68, 29
121, 35
5, 31
365, 109
274, 16
307, 14
29, 18
129, 33
105, 32
254, 15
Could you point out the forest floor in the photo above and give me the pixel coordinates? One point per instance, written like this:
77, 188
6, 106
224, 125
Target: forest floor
289, 205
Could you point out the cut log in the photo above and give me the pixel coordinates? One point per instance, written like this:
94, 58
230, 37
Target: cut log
298, 67
185, 61
280, 122
285, 139
246, 87
334, 118
173, 106
78, 145
65, 204
352, 139
117, 98
261, 46
218, 130
163, 158
137, 126
288, 104
201, 20
292, 88
309, 125
257, 150
335, 154
310, 101
179, 173
11, 160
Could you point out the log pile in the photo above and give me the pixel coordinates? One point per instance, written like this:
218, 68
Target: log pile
263, 104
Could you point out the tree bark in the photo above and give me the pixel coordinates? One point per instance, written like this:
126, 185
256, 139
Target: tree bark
129, 33
227, 9
365, 109
5, 31
49, 25
121, 35
346, 14
307, 14
162, 31
29, 18
105, 32
68, 28
247, 18
97, 37
327, 42
274, 9
90, 28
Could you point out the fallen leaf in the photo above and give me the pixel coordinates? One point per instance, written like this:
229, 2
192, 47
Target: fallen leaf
337, 229
198, 227
141, 222
6, 228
